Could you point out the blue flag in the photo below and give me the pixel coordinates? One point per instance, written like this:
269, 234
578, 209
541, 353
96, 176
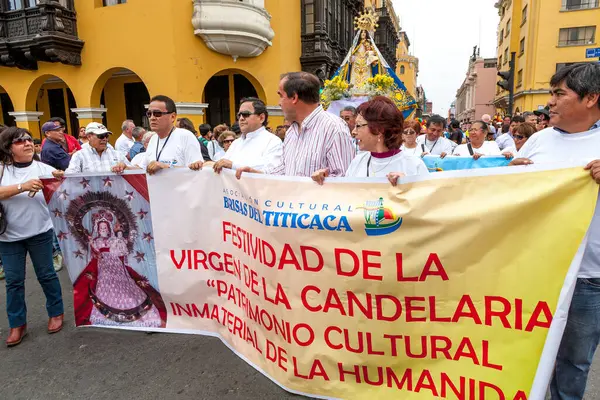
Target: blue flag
451, 163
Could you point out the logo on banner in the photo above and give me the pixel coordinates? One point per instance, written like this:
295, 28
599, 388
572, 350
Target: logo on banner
379, 220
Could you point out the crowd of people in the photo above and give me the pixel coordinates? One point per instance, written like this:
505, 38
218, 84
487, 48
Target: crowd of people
371, 141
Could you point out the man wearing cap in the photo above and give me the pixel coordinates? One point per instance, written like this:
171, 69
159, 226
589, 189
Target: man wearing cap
543, 118
96, 155
53, 152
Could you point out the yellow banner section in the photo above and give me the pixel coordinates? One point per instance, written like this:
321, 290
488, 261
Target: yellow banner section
440, 288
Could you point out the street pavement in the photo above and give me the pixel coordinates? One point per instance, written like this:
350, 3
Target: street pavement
109, 364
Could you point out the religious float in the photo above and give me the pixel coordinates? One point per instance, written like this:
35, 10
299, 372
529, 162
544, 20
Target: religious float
364, 74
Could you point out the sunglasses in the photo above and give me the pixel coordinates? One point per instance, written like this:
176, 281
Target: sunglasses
22, 140
409, 132
244, 114
102, 136
157, 113
520, 137
228, 140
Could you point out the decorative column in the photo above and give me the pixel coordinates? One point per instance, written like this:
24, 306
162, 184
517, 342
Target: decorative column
88, 114
193, 111
29, 120
275, 116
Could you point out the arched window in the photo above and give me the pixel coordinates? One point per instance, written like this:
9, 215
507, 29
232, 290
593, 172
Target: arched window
402, 69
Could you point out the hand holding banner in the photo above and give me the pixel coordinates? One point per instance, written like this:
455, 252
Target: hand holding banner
360, 290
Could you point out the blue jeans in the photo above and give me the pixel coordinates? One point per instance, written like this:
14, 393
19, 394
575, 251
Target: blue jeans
579, 342
55, 245
39, 248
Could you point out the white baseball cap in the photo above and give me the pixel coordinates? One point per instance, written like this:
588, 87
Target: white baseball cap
96, 128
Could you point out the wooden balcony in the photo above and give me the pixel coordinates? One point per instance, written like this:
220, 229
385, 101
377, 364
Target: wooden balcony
46, 32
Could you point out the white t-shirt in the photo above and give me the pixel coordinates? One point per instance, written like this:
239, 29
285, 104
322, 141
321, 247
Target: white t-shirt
550, 145
505, 141
260, 150
416, 152
380, 167
214, 150
487, 149
123, 144
138, 159
437, 147
180, 149
26, 216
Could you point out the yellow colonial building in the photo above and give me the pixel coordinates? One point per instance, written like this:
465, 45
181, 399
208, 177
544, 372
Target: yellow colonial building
408, 65
102, 60
544, 35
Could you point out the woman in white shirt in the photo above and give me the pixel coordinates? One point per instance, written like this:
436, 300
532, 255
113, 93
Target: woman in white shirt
378, 131
28, 230
521, 134
477, 146
410, 147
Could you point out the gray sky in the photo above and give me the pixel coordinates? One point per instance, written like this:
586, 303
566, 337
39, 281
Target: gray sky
442, 34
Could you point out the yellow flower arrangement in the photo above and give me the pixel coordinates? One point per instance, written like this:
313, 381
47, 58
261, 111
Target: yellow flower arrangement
334, 89
383, 83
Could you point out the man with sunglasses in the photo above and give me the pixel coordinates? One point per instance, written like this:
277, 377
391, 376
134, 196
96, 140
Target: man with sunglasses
316, 139
171, 146
95, 155
256, 147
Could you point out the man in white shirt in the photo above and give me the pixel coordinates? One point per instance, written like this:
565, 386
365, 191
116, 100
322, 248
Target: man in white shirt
95, 155
170, 147
348, 114
575, 116
125, 141
256, 147
434, 142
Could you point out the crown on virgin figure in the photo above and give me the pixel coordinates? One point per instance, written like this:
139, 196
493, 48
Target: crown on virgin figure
102, 216
367, 21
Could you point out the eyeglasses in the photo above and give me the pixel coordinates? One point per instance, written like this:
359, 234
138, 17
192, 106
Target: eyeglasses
520, 137
361, 125
244, 114
228, 140
102, 136
22, 140
157, 113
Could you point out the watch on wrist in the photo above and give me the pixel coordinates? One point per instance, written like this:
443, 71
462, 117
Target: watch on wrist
20, 187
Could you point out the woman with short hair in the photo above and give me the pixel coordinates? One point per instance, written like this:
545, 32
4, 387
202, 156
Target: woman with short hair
521, 135
28, 231
378, 131
410, 147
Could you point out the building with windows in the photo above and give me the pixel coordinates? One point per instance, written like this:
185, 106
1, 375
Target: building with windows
475, 96
407, 68
102, 60
544, 35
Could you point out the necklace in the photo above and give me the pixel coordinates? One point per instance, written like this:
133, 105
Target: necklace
379, 170
22, 164
431, 149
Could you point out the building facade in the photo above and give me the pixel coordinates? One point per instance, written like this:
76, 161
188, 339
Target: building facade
544, 35
102, 60
475, 96
407, 68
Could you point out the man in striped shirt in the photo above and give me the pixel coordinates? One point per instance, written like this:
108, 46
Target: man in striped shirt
96, 156
316, 139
